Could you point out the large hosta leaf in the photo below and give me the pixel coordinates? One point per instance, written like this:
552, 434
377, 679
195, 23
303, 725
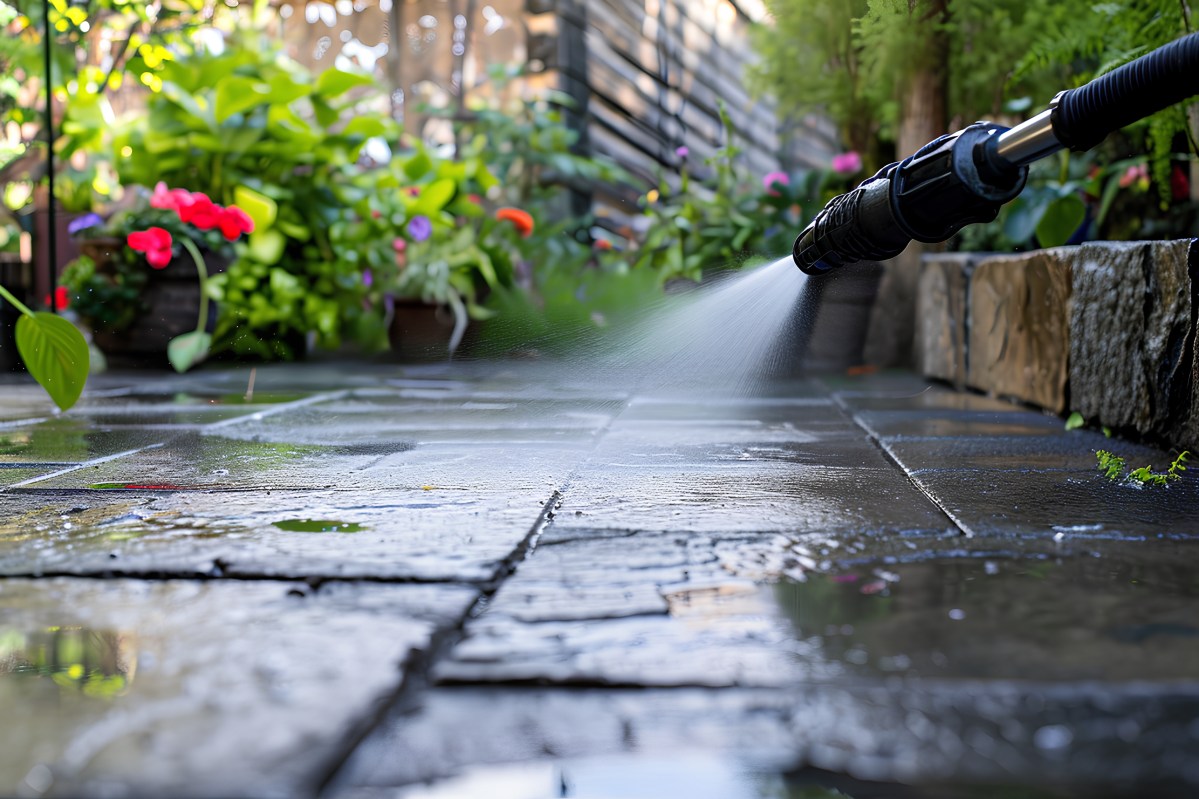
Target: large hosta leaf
56, 354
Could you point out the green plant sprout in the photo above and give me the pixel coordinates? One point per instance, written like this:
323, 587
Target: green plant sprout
1112, 465
54, 352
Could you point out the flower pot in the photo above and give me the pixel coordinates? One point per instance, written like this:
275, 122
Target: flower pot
171, 299
420, 332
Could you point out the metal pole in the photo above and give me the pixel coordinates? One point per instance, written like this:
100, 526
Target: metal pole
52, 214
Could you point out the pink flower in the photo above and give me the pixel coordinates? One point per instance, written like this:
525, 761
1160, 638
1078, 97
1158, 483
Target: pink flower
682, 152
1137, 173
771, 178
849, 163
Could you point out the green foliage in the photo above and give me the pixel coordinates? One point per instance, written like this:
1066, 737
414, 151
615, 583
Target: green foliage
727, 220
251, 124
1112, 466
854, 61
1075, 421
1082, 39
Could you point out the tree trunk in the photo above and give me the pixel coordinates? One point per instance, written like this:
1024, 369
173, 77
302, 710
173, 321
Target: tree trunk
891, 336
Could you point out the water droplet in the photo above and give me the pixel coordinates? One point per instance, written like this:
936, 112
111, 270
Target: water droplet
957, 614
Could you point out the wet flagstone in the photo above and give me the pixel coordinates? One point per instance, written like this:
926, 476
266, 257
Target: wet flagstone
197, 689
416, 534
869, 577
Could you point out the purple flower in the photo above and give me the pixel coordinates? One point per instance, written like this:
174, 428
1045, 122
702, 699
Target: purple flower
682, 151
420, 228
368, 278
849, 163
84, 222
772, 178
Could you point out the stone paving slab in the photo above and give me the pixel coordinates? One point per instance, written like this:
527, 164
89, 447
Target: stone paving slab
429, 535
985, 502
1014, 737
196, 689
780, 578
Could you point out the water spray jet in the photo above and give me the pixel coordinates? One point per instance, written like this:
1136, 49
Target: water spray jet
965, 177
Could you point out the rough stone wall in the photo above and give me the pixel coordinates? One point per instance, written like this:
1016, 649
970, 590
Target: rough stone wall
1107, 329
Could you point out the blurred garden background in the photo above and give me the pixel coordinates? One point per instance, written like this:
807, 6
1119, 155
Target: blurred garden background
270, 180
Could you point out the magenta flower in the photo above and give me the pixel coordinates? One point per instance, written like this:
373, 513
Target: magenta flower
849, 163
771, 178
420, 228
682, 152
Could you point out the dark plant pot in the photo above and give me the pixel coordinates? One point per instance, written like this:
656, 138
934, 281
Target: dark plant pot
420, 332
172, 300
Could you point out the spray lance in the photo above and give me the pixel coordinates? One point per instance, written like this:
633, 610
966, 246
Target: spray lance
965, 177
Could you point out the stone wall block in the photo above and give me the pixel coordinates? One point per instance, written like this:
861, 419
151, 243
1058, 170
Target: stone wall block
1132, 332
941, 317
1018, 333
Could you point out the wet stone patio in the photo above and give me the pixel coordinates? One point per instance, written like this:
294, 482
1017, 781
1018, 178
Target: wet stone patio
511, 581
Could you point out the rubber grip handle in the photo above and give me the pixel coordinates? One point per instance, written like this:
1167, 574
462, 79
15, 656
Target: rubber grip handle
1168, 75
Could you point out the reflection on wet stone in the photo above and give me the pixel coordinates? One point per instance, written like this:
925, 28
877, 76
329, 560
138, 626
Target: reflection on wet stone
98, 663
1083, 618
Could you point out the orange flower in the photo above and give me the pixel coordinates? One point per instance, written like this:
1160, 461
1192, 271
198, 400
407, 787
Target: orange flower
521, 220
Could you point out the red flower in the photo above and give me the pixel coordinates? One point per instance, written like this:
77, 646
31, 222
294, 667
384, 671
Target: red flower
233, 222
521, 220
201, 211
1180, 186
62, 298
155, 243
474, 198
169, 199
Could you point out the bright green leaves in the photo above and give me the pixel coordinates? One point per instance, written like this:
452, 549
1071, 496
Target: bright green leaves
1112, 466
56, 355
261, 209
235, 94
335, 82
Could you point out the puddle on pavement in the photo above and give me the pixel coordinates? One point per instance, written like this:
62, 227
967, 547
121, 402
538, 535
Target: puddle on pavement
1090, 617
96, 663
318, 526
694, 776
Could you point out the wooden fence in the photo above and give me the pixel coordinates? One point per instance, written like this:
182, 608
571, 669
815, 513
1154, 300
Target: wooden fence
649, 76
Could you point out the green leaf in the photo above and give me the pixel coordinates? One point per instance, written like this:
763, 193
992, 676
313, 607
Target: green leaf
417, 165
435, 196
333, 82
56, 354
1061, 218
261, 209
1075, 421
189, 349
266, 246
235, 94
366, 127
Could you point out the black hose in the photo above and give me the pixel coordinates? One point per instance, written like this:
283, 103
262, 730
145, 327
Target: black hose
1168, 75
